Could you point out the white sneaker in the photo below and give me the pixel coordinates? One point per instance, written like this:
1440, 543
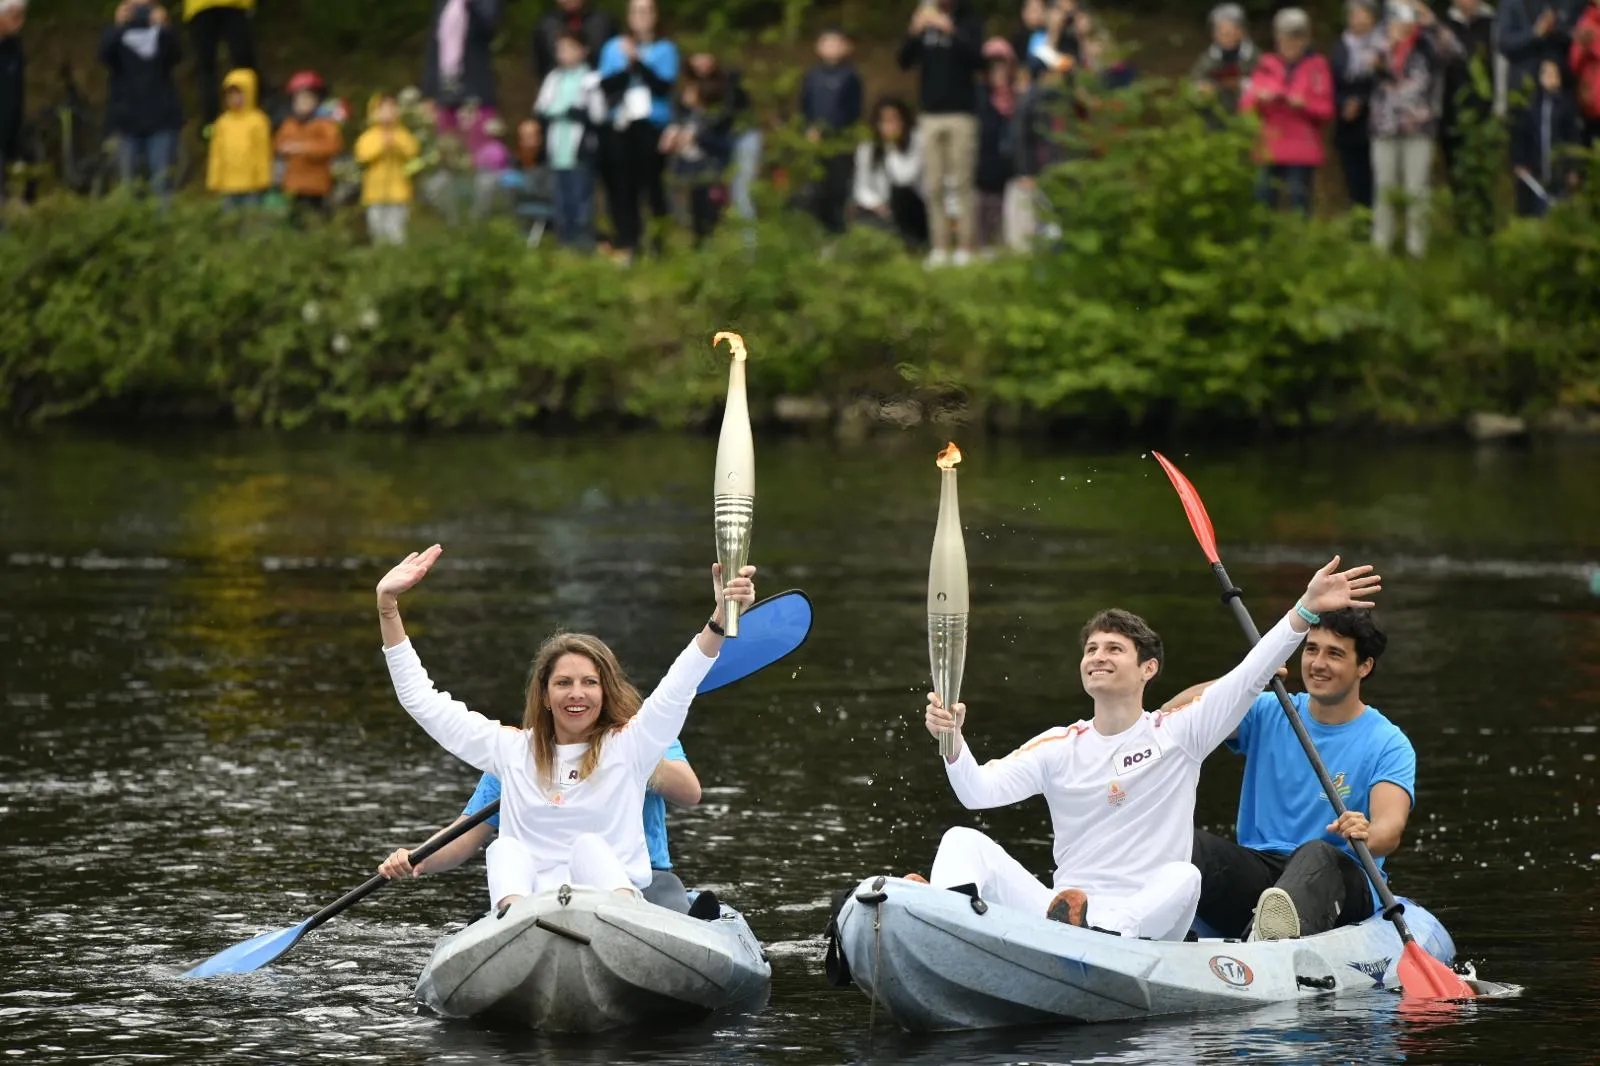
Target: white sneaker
962, 258
1276, 917
936, 259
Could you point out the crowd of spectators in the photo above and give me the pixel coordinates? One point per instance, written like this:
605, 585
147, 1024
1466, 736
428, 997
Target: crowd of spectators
954, 175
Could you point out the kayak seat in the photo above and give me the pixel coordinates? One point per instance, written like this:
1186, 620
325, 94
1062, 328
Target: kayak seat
706, 906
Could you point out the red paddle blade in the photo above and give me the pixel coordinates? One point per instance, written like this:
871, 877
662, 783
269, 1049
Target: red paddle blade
1424, 977
1199, 521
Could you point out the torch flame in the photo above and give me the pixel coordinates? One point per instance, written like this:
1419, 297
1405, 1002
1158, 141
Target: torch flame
949, 457
735, 342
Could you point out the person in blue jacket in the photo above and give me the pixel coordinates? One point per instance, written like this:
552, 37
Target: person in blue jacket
674, 780
637, 71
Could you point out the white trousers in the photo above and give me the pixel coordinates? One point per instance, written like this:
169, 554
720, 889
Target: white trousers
513, 870
1162, 910
386, 223
1401, 164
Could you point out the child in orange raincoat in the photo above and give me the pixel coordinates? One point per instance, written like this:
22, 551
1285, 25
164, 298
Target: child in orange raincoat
308, 143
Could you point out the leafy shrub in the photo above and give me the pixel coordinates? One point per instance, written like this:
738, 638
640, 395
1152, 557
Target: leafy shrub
1171, 299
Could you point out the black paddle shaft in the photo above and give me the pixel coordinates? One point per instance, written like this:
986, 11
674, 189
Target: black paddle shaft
1393, 909
377, 881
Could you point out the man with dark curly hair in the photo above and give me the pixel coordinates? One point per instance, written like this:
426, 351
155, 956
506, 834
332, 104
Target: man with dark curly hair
1292, 868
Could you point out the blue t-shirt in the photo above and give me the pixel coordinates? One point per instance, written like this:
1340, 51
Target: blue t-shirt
655, 811
1281, 803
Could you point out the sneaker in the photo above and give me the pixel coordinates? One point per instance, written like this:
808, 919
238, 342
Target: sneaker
1070, 907
936, 259
918, 878
1276, 917
961, 258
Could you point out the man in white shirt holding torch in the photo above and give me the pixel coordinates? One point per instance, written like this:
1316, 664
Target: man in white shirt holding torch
1120, 786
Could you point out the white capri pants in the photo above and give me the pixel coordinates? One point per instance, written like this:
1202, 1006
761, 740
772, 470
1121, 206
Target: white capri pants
1162, 910
513, 870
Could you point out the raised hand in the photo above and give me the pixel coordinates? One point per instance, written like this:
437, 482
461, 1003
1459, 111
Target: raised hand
741, 588
1331, 588
939, 720
405, 575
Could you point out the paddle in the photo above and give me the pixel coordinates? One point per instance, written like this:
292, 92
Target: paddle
769, 631
1421, 975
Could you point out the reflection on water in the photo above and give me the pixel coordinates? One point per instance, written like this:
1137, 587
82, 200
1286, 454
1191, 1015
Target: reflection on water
199, 742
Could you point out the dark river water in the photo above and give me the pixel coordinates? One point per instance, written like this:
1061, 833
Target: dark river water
199, 741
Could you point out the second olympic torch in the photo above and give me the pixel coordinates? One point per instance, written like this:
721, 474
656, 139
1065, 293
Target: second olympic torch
734, 494
947, 595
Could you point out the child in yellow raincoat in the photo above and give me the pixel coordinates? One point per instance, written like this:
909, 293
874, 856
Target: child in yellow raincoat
384, 151
239, 168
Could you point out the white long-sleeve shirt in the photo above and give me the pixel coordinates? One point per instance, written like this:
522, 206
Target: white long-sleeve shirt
609, 802
874, 182
1121, 806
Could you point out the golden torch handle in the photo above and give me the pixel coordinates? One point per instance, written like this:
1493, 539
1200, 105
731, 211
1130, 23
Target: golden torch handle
734, 517
947, 657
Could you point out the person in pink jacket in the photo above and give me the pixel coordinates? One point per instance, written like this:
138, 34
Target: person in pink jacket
1584, 59
1291, 90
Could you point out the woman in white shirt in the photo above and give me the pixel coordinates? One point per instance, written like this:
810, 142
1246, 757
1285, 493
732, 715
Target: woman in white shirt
573, 777
888, 181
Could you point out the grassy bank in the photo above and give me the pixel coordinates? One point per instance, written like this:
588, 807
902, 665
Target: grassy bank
1173, 302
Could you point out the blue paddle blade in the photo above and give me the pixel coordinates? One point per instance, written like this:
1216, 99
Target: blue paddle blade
252, 954
768, 631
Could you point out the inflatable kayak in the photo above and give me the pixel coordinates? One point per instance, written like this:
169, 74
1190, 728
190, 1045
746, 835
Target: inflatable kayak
937, 959
581, 960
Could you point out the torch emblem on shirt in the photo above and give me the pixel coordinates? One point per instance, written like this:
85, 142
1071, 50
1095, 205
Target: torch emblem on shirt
1115, 795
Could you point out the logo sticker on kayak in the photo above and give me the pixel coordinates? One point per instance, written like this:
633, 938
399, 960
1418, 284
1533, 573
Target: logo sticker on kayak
1230, 970
1375, 969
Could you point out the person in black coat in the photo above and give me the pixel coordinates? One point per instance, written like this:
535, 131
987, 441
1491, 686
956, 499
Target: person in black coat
996, 158
1528, 32
1543, 139
13, 78
830, 104
462, 69
593, 28
1474, 92
143, 111
1354, 61
945, 42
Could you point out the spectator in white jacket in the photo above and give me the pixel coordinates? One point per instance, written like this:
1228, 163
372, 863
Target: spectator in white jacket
888, 174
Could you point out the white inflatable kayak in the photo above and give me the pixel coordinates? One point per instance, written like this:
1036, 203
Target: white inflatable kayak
939, 960
581, 960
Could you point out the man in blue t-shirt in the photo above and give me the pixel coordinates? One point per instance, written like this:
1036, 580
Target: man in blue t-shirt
1292, 869
674, 779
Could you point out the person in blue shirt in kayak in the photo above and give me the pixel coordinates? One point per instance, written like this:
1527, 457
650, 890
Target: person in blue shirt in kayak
674, 781
1292, 872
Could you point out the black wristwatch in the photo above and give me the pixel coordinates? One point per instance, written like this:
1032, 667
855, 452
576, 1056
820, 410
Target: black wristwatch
715, 627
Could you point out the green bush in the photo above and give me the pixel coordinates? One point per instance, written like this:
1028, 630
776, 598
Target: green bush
1172, 299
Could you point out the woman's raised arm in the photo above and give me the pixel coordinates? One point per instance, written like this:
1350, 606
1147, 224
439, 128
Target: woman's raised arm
467, 735
661, 718
404, 577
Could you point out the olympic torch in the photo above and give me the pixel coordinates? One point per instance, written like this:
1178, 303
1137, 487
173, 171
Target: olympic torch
734, 494
947, 595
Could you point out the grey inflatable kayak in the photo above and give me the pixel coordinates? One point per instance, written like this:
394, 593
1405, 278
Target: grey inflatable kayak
581, 960
939, 960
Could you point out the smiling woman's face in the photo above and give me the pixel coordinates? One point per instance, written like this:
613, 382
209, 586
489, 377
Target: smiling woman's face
575, 697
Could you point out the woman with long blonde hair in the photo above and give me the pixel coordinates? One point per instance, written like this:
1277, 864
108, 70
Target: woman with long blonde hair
574, 776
